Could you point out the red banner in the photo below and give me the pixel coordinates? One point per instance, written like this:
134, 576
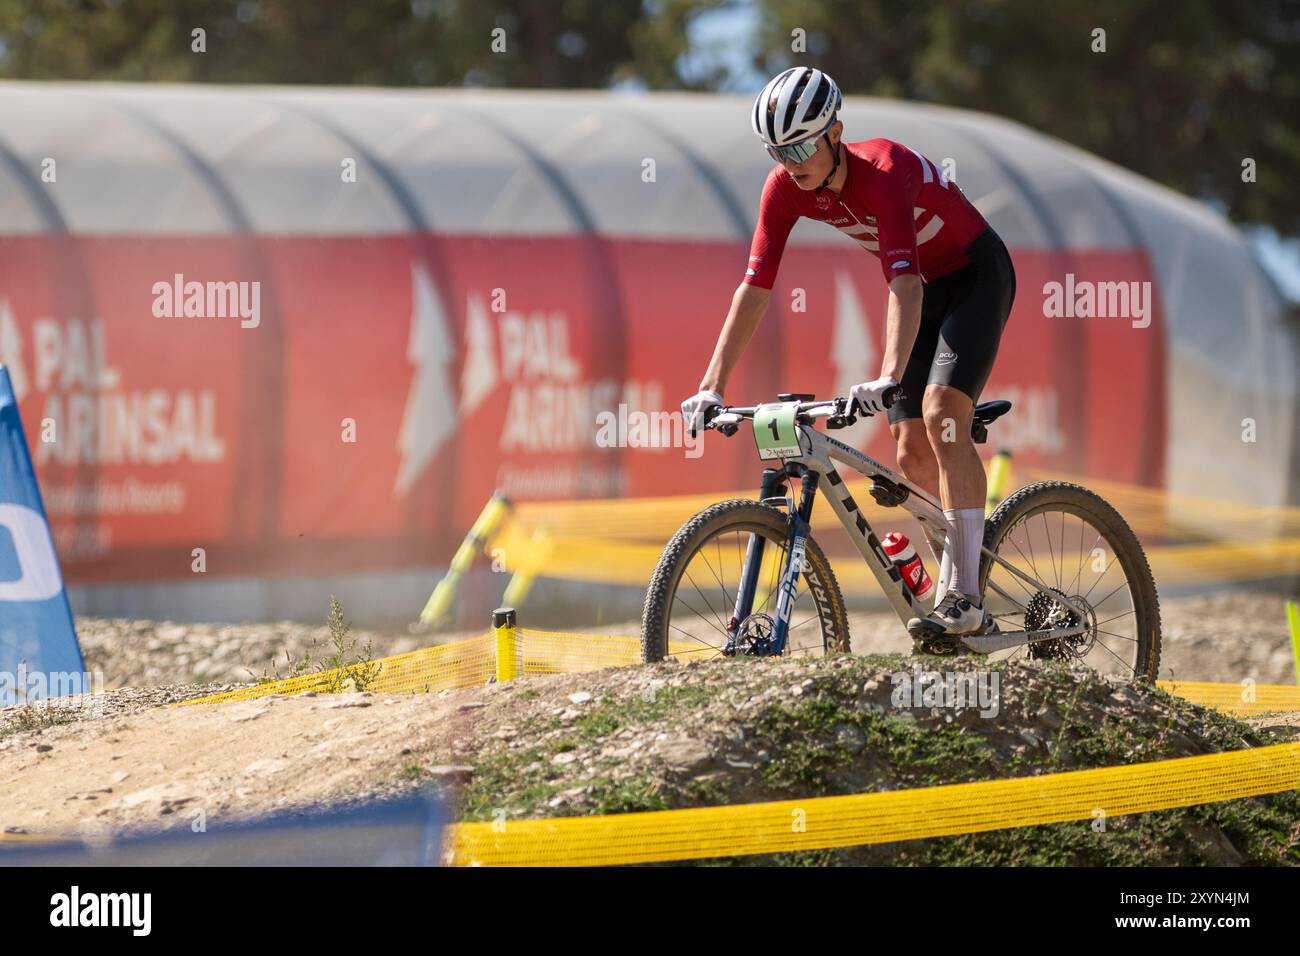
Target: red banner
293, 404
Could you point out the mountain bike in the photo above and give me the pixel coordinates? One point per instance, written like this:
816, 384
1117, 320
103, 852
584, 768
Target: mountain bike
1061, 573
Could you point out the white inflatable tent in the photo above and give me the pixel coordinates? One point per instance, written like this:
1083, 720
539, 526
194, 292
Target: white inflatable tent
160, 159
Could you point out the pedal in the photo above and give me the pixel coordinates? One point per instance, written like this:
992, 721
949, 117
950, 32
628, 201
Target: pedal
946, 647
930, 638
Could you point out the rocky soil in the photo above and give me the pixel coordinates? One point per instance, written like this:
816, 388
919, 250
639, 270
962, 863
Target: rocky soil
709, 733
644, 738
1219, 636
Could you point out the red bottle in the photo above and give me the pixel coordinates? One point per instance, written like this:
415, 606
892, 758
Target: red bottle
909, 564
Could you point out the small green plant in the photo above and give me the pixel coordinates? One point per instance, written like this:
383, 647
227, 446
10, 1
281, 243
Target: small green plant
295, 668
340, 673
337, 672
34, 716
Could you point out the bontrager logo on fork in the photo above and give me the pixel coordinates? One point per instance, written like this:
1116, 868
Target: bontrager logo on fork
1062, 573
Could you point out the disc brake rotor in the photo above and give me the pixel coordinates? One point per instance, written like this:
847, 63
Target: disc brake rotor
755, 634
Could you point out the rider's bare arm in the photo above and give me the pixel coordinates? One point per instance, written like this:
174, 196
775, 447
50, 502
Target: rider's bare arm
747, 308
902, 320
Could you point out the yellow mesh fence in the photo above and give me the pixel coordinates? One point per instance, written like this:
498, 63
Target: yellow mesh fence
470, 663
1149, 511
826, 822
467, 663
1155, 511
631, 564
26, 839
473, 663
618, 541
1242, 699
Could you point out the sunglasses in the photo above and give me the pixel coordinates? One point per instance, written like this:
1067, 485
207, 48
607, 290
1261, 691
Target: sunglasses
795, 152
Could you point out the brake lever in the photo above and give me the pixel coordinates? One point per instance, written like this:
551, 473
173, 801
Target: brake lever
727, 428
843, 417
855, 410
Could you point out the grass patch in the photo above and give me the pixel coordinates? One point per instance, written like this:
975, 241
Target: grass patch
34, 716
613, 715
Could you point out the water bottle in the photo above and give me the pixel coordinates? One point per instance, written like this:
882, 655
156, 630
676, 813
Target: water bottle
909, 564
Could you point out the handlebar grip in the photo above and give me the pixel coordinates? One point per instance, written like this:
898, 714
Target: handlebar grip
709, 412
888, 398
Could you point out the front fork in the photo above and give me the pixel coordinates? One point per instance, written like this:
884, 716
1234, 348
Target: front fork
774, 480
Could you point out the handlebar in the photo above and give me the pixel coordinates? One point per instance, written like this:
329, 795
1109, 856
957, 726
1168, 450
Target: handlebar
839, 412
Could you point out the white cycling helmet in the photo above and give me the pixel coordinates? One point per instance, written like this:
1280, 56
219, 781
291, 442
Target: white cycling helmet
795, 105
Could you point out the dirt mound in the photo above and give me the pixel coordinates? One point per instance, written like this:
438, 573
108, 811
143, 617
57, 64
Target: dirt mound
743, 731
644, 738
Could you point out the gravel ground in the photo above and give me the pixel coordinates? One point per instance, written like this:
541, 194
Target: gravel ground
1219, 636
132, 653
127, 761
645, 738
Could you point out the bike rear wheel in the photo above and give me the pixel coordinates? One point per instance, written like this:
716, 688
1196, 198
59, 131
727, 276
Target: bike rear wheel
692, 594
1071, 540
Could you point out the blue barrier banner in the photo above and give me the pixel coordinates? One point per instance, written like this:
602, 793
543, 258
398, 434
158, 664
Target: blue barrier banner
39, 654
396, 831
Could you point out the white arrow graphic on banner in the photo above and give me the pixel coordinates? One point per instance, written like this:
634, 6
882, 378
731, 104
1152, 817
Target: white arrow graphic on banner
479, 377
430, 415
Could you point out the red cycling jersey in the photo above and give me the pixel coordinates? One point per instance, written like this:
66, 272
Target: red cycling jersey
895, 203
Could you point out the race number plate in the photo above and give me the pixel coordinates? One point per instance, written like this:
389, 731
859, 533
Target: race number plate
774, 431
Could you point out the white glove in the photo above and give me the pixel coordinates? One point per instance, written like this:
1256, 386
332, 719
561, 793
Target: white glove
693, 409
870, 395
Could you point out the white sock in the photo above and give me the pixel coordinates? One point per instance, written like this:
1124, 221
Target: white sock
964, 547
945, 570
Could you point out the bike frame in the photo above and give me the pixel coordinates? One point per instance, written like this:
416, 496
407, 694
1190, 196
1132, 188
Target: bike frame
815, 467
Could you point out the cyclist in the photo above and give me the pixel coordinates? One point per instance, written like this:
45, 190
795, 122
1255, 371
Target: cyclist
951, 285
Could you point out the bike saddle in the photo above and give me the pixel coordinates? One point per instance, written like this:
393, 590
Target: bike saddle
987, 412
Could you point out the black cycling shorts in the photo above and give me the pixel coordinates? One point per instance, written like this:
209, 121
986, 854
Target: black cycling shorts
962, 317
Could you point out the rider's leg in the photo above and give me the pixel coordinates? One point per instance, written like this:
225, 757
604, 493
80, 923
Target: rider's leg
915, 456
979, 302
948, 413
962, 485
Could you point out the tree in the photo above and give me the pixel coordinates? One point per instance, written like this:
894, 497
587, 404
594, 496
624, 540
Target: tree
542, 43
1183, 93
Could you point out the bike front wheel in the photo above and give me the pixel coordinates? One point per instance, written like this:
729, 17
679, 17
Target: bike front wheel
1091, 572
692, 595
